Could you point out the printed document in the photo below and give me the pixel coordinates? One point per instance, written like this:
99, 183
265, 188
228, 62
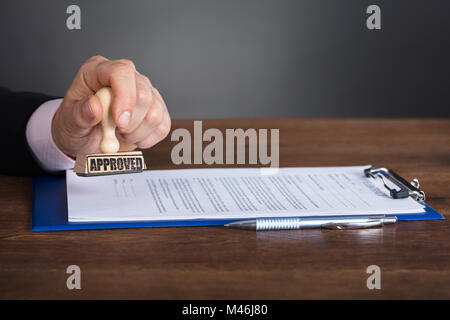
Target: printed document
230, 194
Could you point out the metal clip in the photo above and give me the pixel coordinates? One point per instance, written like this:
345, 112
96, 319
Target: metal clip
406, 189
350, 226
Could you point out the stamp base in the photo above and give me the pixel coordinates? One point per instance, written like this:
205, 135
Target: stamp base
89, 165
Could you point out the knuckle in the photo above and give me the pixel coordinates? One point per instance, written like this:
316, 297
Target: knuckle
96, 58
164, 129
120, 67
120, 71
127, 62
155, 117
144, 96
85, 66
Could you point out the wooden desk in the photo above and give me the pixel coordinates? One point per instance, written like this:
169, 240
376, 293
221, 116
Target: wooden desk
217, 263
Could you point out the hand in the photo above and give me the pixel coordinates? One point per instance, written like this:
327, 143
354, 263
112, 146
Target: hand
138, 109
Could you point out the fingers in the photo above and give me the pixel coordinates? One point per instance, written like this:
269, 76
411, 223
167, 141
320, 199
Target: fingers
138, 109
154, 127
75, 128
144, 100
83, 116
156, 135
120, 75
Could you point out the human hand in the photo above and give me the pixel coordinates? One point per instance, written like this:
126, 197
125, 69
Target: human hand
138, 109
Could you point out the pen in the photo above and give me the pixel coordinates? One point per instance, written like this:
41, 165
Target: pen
336, 223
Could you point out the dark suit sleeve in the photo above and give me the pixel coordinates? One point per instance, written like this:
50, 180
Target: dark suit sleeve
16, 156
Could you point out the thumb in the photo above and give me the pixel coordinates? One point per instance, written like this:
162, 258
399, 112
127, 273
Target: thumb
87, 113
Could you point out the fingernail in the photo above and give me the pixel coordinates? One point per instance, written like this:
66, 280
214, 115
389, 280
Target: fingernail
124, 119
86, 110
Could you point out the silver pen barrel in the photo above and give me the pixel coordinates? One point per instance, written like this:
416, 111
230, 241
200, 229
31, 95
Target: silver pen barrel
337, 223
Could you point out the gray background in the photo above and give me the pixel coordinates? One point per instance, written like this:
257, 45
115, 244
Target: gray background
244, 58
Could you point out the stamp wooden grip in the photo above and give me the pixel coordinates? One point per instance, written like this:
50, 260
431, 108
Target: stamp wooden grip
109, 162
109, 143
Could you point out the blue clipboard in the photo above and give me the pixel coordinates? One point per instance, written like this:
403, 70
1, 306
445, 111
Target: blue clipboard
49, 211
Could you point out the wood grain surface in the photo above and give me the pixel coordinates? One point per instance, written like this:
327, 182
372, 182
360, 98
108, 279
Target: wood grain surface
217, 263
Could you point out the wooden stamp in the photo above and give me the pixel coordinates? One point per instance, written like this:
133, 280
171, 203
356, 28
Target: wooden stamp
110, 161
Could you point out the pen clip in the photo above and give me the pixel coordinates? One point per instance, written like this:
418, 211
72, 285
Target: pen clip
353, 225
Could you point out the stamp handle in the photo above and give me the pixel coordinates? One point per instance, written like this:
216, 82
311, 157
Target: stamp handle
109, 143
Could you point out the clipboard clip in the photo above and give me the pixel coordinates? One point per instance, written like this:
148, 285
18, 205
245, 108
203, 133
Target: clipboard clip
405, 188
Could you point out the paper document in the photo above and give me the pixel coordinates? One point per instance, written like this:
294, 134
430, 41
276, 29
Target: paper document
230, 194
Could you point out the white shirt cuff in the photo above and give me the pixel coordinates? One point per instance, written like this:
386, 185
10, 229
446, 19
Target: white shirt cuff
40, 139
